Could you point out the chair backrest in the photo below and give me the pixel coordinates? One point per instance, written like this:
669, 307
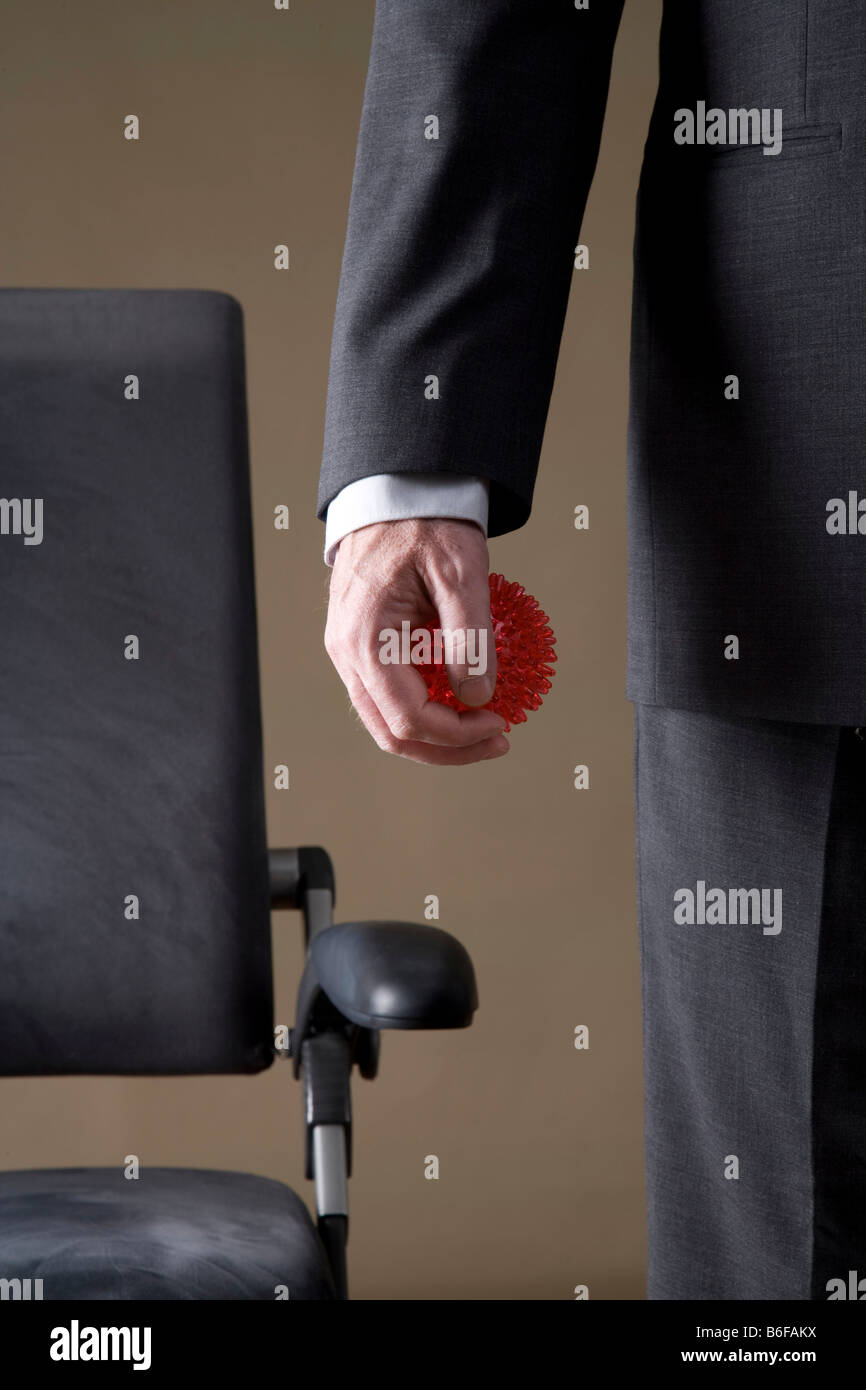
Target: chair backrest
134, 910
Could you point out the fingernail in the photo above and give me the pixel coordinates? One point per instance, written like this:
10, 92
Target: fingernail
475, 690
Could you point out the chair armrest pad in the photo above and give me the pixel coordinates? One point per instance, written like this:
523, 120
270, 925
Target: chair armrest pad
396, 975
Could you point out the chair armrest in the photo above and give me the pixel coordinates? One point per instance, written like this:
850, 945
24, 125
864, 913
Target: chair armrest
296, 872
396, 975
303, 879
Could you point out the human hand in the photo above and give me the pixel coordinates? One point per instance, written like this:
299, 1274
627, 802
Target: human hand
420, 571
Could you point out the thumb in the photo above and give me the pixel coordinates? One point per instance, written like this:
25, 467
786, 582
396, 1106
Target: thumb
469, 649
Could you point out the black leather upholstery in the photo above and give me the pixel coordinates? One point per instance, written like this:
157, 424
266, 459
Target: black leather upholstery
171, 1233
140, 777
122, 777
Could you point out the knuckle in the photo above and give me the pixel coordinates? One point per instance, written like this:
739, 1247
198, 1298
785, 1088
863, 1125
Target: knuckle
403, 726
386, 743
334, 643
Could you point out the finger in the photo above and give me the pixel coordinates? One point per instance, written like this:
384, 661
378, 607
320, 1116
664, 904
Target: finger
401, 699
417, 751
400, 695
469, 647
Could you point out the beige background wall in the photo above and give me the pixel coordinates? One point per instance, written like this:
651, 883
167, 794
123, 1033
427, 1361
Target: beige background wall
248, 124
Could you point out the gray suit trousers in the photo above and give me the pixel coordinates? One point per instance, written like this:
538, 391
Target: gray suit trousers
751, 858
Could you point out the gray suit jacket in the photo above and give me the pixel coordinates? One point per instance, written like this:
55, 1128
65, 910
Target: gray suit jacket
478, 140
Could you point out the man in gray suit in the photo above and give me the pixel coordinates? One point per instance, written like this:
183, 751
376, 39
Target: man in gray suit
747, 586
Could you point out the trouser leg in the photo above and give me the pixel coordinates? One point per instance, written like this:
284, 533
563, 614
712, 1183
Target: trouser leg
732, 996
839, 1065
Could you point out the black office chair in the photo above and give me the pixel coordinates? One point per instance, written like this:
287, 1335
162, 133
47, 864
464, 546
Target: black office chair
135, 882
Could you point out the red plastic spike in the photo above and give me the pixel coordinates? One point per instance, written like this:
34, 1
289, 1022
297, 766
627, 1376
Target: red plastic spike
524, 655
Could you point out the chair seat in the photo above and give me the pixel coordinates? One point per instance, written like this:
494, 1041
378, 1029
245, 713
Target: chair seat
171, 1233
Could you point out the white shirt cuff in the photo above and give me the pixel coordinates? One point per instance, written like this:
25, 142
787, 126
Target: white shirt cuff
401, 496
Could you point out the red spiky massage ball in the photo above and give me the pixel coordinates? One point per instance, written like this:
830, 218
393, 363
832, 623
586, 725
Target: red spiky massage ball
524, 655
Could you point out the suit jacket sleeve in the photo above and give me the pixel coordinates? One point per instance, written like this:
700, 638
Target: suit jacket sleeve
478, 140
